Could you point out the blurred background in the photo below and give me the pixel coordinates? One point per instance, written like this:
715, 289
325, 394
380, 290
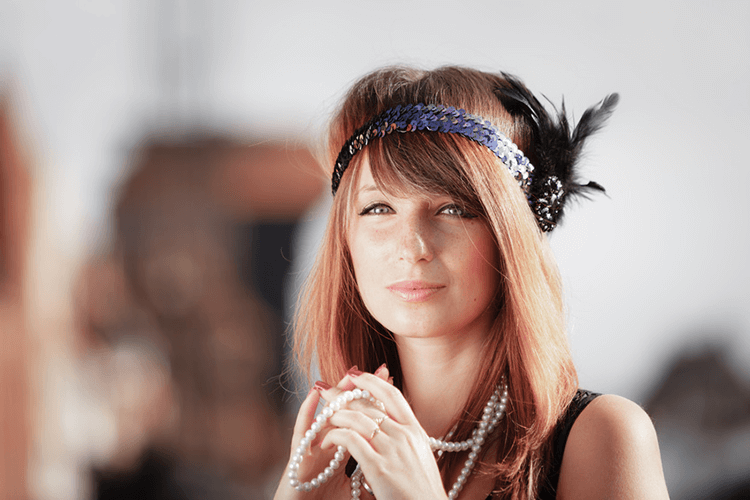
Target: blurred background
160, 203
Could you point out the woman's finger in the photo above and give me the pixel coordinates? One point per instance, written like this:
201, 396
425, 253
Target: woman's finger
305, 416
329, 393
382, 372
356, 444
365, 424
395, 404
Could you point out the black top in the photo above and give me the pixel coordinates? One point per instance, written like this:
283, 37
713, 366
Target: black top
548, 485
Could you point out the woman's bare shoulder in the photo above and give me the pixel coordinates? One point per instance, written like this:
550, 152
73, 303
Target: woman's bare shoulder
612, 452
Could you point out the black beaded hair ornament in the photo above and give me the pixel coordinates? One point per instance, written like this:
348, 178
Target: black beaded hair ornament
548, 183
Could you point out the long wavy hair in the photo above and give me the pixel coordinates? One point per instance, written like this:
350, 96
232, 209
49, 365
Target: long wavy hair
527, 341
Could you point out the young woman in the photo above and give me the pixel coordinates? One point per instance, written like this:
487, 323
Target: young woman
434, 312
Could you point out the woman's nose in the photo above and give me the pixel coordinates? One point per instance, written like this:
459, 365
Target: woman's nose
416, 241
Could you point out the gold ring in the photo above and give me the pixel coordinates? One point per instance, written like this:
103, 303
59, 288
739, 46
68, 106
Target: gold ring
374, 433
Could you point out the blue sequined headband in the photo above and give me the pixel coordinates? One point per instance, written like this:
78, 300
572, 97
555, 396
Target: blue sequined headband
435, 118
447, 119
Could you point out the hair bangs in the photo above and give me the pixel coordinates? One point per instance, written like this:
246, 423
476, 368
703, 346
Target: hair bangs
425, 163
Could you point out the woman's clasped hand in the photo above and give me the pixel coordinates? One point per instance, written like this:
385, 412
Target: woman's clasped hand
381, 433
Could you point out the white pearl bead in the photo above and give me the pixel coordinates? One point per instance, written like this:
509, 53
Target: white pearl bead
327, 412
294, 483
338, 456
366, 394
356, 393
314, 482
328, 471
310, 435
321, 419
349, 395
315, 427
294, 466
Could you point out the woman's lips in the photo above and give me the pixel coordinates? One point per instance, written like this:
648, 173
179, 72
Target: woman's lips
414, 290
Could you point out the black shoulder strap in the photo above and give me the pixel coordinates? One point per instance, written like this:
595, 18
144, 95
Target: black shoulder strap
548, 489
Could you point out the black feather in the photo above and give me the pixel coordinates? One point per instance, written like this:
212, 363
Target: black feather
549, 143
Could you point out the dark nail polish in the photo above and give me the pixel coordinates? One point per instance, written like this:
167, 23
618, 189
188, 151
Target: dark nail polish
321, 386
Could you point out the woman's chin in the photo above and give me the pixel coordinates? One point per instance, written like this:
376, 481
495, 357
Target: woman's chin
414, 329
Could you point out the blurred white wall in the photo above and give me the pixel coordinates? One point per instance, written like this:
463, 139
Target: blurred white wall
657, 265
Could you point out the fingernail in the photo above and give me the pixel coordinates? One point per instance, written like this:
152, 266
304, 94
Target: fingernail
380, 369
390, 380
321, 386
354, 372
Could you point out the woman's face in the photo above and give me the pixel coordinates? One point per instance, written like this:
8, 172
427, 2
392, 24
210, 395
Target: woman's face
424, 268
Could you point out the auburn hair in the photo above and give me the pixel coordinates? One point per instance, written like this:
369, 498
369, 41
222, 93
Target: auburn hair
527, 341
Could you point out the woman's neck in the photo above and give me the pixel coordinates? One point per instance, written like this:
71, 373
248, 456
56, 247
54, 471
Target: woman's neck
438, 375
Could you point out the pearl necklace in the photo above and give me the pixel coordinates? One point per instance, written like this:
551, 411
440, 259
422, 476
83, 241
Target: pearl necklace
493, 412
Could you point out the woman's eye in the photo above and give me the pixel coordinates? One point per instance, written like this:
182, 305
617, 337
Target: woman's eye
376, 209
456, 211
